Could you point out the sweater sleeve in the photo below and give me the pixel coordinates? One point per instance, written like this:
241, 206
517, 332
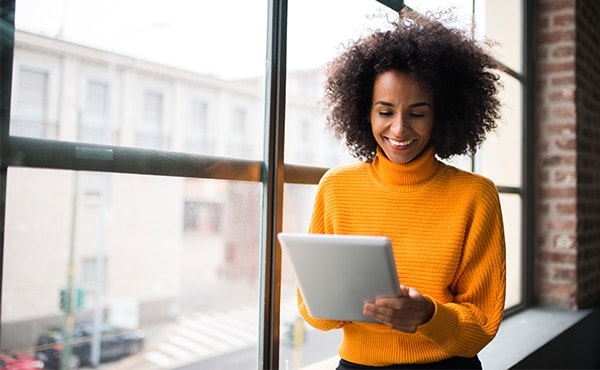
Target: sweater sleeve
468, 323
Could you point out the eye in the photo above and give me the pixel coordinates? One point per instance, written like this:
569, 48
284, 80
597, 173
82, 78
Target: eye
417, 114
385, 113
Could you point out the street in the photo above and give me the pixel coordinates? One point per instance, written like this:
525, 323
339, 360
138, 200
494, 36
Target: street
220, 341
217, 327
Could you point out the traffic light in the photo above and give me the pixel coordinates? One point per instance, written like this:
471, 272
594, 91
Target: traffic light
65, 299
79, 298
294, 333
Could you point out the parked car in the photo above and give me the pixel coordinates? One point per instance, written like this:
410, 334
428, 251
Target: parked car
116, 342
20, 362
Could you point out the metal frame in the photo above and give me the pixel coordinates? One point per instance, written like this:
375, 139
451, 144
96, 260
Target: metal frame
529, 26
7, 30
272, 179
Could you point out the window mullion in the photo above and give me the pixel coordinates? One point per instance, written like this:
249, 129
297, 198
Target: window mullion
273, 178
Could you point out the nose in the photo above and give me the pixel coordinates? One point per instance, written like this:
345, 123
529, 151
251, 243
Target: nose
399, 125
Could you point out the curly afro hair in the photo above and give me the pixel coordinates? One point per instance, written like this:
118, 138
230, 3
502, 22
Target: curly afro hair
447, 61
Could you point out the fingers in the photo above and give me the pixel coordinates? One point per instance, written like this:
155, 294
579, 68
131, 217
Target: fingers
404, 291
403, 313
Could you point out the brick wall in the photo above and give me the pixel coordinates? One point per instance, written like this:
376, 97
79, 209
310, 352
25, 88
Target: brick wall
568, 154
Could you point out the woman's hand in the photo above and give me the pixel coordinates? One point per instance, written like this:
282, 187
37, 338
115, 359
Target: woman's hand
404, 313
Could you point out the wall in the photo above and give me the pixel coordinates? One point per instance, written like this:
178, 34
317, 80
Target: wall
568, 154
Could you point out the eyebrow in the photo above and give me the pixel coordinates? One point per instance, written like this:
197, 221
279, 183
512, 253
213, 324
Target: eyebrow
414, 105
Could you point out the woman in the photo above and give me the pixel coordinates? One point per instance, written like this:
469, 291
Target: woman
401, 99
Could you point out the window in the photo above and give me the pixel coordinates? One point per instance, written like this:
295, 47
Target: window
94, 120
150, 154
150, 130
198, 139
31, 105
238, 146
93, 188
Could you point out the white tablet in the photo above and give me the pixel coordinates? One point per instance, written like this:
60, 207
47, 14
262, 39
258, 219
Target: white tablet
336, 274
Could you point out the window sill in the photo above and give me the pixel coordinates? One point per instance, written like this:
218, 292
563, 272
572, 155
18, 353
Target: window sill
520, 336
523, 334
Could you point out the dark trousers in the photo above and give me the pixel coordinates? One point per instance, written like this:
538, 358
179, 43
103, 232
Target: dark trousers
449, 363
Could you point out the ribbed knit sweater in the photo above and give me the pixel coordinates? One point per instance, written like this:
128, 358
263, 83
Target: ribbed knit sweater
446, 229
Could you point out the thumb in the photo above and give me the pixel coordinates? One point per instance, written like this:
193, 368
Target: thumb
404, 291
413, 293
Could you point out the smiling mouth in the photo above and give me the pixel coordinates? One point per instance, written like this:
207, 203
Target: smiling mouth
400, 144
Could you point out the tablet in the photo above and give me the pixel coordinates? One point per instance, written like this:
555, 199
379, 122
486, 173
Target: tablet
336, 274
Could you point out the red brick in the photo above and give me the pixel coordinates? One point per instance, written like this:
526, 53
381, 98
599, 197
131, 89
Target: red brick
550, 37
557, 160
564, 51
562, 225
563, 112
567, 209
547, 68
563, 80
562, 95
564, 274
562, 20
564, 129
567, 144
546, 6
570, 256
553, 256
561, 289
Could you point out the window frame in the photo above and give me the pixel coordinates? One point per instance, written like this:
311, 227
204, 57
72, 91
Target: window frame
272, 172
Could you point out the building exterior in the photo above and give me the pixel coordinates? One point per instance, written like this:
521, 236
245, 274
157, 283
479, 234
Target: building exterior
68, 92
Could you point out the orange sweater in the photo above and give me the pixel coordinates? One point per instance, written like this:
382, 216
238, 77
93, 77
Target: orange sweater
446, 228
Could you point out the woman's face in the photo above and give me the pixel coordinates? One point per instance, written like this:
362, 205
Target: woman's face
401, 116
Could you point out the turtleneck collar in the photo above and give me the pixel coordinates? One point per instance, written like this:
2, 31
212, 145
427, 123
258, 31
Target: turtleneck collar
414, 172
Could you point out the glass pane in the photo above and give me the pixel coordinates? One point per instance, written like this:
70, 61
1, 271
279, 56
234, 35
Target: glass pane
182, 77
498, 21
172, 259
309, 49
511, 211
501, 21
301, 344
500, 157
462, 10
464, 162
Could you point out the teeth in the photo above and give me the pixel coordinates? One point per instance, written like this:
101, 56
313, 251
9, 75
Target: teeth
400, 143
